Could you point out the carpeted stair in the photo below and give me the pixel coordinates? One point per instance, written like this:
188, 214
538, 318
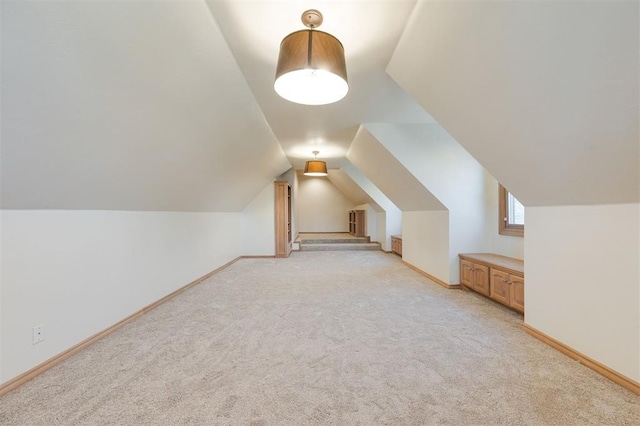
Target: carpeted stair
334, 244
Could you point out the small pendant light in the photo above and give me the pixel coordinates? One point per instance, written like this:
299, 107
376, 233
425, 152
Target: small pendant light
315, 167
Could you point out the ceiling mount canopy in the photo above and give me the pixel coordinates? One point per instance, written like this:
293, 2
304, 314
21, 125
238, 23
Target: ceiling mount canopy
311, 66
315, 167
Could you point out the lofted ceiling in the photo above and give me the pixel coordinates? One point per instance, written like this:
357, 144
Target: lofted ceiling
387, 173
369, 32
169, 105
137, 105
351, 189
543, 94
127, 105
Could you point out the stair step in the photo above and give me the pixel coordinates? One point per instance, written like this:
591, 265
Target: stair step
339, 246
353, 240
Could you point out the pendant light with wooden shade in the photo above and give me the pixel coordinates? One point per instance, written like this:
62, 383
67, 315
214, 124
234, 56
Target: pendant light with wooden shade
315, 167
311, 66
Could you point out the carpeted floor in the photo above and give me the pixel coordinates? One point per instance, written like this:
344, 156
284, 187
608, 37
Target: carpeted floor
346, 338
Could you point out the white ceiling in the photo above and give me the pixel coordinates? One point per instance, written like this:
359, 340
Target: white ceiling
127, 106
351, 189
369, 32
389, 175
543, 94
169, 105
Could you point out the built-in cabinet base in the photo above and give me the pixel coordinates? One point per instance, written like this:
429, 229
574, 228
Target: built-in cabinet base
396, 244
495, 276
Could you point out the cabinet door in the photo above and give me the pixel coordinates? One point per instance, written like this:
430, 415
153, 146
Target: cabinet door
466, 273
481, 279
500, 287
517, 292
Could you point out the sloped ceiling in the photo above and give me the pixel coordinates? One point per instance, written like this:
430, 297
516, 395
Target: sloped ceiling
439, 162
372, 191
543, 94
169, 105
351, 189
369, 32
389, 175
127, 106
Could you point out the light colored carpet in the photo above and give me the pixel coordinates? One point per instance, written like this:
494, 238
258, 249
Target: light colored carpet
366, 341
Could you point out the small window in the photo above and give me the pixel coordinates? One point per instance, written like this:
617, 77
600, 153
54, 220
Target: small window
511, 214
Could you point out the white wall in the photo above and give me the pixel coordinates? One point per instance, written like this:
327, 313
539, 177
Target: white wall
583, 280
258, 225
381, 229
321, 206
79, 272
425, 242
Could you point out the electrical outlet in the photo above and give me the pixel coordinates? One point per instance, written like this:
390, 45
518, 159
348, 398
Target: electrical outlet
38, 333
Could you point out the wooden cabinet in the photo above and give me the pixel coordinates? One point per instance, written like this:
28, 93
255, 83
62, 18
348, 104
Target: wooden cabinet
474, 276
357, 226
500, 289
283, 218
507, 289
396, 244
499, 277
517, 292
